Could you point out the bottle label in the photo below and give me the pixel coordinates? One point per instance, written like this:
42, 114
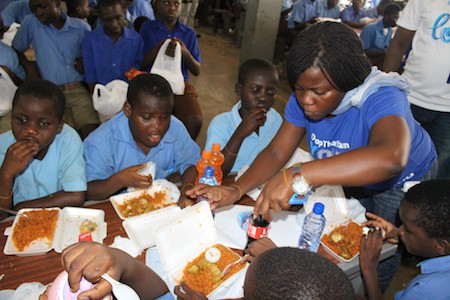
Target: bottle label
84, 237
257, 232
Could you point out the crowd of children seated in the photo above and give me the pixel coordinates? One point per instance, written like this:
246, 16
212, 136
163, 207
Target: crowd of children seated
361, 132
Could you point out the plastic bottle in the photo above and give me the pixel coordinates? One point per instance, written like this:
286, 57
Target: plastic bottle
207, 178
217, 159
202, 163
257, 228
312, 229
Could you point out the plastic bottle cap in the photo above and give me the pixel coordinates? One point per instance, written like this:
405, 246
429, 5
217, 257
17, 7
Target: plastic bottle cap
206, 154
209, 171
318, 208
216, 147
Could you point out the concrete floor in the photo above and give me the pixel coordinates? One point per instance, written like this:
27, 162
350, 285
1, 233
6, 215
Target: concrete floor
215, 86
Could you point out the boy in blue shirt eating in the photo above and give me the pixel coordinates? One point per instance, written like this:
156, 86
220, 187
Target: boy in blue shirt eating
145, 131
425, 232
41, 159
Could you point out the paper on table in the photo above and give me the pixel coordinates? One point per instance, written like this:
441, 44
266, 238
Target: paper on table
228, 290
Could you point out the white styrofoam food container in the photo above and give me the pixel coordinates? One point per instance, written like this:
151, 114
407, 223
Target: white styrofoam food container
328, 230
66, 232
185, 238
140, 229
173, 195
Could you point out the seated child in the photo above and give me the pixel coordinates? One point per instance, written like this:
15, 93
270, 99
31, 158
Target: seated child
41, 159
145, 131
252, 123
425, 232
354, 15
111, 49
281, 273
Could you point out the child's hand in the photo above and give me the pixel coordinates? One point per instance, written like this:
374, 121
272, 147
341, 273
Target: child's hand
78, 64
129, 177
184, 292
370, 250
259, 246
18, 156
92, 260
184, 49
390, 230
256, 118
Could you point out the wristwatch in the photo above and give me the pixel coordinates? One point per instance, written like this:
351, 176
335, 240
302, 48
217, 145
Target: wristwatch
299, 184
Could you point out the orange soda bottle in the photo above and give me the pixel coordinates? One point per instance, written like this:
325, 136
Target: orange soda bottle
217, 160
203, 163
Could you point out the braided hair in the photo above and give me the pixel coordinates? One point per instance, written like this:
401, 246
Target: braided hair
335, 49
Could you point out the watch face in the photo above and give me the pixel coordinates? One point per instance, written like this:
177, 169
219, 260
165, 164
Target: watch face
300, 187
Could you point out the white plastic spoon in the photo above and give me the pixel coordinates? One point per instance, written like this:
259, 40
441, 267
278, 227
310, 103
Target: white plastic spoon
121, 290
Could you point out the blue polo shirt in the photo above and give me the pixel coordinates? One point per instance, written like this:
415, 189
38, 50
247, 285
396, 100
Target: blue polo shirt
351, 130
223, 126
432, 283
55, 49
8, 58
303, 11
325, 12
348, 14
111, 148
374, 38
153, 32
105, 61
139, 8
15, 12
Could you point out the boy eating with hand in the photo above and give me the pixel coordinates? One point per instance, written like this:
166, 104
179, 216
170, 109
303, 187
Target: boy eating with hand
41, 159
145, 131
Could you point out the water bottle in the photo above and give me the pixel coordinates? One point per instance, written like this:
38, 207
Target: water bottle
207, 178
217, 160
312, 229
202, 163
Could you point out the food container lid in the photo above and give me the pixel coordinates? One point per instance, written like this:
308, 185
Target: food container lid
173, 195
140, 229
185, 237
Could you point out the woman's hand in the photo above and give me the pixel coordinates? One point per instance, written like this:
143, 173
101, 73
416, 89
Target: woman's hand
217, 195
259, 246
275, 195
391, 232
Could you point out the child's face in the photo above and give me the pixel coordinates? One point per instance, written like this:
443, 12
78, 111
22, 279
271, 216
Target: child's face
84, 10
316, 95
413, 236
35, 120
149, 120
46, 11
169, 10
113, 19
258, 90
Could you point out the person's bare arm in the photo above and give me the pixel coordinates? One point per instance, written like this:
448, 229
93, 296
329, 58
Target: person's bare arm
59, 199
187, 182
399, 44
150, 56
374, 53
368, 259
192, 64
354, 24
30, 67
17, 81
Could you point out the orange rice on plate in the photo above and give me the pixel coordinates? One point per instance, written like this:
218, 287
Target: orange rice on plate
344, 240
144, 203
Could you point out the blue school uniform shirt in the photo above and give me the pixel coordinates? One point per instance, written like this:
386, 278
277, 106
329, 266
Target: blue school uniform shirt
349, 14
374, 38
432, 283
223, 126
325, 12
8, 58
111, 148
139, 8
15, 12
303, 11
62, 169
105, 60
153, 32
55, 49
351, 130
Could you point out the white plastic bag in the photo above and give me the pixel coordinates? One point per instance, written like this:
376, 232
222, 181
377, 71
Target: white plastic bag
170, 67
7, 91
109, 99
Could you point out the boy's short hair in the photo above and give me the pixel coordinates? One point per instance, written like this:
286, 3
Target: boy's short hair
137, 24
254, 64
42, 89
292, 273
391, 9
108, 3
150, 85
431, 200
72, 6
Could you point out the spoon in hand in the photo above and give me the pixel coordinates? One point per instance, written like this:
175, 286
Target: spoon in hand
228, 267
120, 290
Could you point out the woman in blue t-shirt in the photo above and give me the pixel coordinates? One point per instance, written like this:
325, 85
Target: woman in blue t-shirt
357, 122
